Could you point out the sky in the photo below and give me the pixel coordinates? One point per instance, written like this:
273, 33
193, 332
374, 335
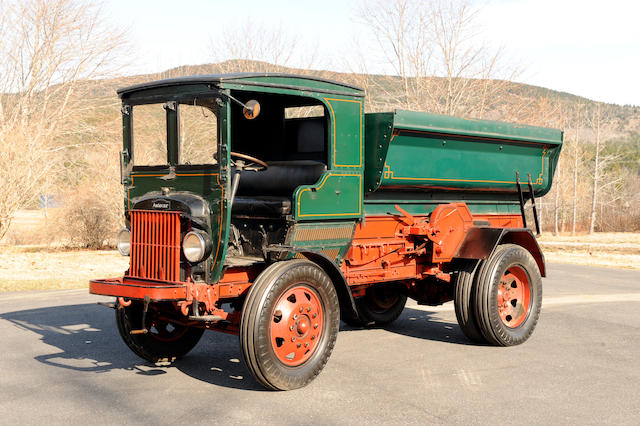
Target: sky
585, 47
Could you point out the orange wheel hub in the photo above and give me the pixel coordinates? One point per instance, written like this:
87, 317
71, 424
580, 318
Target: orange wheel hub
296, 325
514, 296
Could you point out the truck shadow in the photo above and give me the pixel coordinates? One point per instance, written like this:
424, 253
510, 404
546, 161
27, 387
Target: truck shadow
84, 338
422, 324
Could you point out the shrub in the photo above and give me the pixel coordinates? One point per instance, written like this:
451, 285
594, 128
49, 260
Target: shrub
89, 219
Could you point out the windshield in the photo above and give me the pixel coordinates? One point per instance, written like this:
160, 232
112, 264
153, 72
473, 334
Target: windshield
175, 133
198, 130
150, 135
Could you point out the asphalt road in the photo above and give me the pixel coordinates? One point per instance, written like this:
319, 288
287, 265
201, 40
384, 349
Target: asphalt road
62, 361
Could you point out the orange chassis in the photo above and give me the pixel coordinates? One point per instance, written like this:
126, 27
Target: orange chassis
396, 248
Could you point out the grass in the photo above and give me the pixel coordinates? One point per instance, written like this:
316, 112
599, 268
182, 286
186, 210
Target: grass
47, 284
607, 249
44, 268
597, 237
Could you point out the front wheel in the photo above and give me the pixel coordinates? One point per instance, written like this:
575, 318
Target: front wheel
508, 296
289, 324
164, 341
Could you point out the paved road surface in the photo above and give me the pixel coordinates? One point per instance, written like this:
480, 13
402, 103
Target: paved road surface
62, 361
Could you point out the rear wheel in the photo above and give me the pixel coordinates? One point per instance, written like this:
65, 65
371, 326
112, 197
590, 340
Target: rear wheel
464, 300
164, 341
508, 296
289, 324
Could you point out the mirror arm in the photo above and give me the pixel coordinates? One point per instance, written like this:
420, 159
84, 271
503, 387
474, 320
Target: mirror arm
234, 99
251, 109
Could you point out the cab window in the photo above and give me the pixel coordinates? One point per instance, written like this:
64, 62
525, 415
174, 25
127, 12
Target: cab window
150, 135
198, 133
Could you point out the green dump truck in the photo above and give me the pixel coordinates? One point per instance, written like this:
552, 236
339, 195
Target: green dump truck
272, 207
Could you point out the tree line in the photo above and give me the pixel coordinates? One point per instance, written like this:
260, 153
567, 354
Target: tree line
59, 135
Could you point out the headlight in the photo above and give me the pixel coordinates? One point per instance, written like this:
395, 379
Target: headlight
123, 242
195, 246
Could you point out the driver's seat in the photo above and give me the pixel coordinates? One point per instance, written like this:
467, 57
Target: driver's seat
268, 192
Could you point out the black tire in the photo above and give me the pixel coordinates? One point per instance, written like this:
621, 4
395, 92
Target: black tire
272, 323
165, 341
464, 300
351, 318
382, 304
506, 325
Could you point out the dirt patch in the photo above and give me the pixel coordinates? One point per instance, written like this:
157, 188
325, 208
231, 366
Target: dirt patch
41, 268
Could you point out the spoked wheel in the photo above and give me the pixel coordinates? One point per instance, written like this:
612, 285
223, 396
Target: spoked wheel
164, 341
289, 324
382, 304
508, 296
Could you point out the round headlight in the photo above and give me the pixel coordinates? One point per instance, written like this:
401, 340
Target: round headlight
123, 242
194, 246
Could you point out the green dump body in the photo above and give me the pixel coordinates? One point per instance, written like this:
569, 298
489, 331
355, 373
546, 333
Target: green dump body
417, 151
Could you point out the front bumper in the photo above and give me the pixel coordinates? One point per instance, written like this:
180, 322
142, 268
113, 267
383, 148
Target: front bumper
132, 288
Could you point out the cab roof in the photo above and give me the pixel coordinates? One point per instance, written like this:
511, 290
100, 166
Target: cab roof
272, 80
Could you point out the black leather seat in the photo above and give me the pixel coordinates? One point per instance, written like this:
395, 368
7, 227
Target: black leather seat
265, 206
268, 192
281, 178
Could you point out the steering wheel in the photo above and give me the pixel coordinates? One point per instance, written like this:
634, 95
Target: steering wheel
252, 164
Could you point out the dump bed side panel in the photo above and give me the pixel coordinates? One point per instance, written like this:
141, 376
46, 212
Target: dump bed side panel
435, 152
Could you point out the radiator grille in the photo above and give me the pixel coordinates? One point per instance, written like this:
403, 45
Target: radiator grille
155, 245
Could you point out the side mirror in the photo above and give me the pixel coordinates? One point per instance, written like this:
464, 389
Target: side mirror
251, 109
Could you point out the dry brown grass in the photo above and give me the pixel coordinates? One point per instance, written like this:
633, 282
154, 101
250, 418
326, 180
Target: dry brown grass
44, 268
597, 237
608, 249
41, 268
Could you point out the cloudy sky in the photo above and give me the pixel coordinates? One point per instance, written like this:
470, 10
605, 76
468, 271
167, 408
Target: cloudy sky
585, 47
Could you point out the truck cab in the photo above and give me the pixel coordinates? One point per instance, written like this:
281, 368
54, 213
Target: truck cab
186, 142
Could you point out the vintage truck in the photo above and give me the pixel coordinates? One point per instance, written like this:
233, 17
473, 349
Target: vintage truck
271, 206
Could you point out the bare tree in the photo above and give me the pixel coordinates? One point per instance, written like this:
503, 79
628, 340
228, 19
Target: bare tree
576, 167
596, 123
433, 47
49, 49
602, 179
398, 29
252, 47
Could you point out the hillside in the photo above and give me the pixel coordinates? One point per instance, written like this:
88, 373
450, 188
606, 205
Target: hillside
626, 117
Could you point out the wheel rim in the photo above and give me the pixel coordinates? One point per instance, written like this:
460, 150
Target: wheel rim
514, 296
161, 329
166, 331
296, 325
